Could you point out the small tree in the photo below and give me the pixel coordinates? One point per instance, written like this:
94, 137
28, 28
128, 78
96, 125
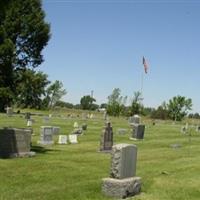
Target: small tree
54, 93
178, 107
87, 102
136, 106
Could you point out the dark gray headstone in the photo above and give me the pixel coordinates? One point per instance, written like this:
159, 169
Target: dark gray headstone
138, 131
15, 142
106, 141
84, 127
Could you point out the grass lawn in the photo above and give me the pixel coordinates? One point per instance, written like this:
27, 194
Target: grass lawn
74, 171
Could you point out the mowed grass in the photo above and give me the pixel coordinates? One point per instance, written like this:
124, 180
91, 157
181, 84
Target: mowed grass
67, 172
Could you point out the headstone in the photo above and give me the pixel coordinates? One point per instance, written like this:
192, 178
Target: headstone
9, 111
46, 119
84, 116
106, 141
183, 130
46, 135
29, 122
73, 139
105, 116
135, 119
123, 161
138, 131
122, 182
76, 125
121, 131
198, 128
62, 139
15, 142
27, 115
84, 127
56, 130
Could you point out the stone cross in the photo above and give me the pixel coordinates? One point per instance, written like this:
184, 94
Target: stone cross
106, 141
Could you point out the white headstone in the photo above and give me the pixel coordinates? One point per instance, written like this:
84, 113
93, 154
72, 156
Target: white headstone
46, 136
76, 125
73, 139
29, 122
62, 139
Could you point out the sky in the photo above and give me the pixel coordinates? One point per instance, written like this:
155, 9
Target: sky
98, 45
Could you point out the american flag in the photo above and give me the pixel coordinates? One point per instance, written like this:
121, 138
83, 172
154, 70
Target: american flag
145, 64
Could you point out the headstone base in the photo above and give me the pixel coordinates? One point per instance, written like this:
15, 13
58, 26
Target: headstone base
22, 155
121, 188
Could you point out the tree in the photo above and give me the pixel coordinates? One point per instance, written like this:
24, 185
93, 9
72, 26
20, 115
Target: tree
178, 107
87, 102
30, 88
115, 102
23, 35
136, 106
54, 93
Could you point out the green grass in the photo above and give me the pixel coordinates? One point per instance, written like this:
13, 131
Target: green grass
74, 172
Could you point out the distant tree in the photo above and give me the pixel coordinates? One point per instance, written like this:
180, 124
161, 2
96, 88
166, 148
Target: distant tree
30, 88
136, 107
87, 102
64, 104
23, 35
160, 113
54, 93
115, 102
178, 107
103, 105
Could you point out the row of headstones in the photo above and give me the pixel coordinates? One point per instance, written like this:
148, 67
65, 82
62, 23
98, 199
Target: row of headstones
47, 132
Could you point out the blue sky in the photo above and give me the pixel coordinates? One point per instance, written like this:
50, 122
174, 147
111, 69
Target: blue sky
98, 45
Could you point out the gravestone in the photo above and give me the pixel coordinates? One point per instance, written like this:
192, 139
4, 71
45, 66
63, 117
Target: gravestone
62, 139
135, 119
84, 127
9, 111
198, 128
15, 142
106, 141
121, 131
27, 116
46, 135
29, 122
183, 129
56, 130
46, 119
122, 182
76, 125
73, 139
138, 131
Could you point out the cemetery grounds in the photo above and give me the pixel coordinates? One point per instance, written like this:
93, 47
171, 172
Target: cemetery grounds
168, 161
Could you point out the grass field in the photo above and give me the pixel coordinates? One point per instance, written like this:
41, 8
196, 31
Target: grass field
74, 172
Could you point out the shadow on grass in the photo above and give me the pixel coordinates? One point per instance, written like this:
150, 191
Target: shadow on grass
40, 149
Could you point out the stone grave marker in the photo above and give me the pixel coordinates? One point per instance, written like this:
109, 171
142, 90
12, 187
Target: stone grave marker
27, 115
183, 129
73, 139
29, 122
62, 139
84, 127
138, 131
46, 119
121, 131
9, 111
106, 141
15, 142
76, 125
56, 130
135, 119
122, 182
46, 135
